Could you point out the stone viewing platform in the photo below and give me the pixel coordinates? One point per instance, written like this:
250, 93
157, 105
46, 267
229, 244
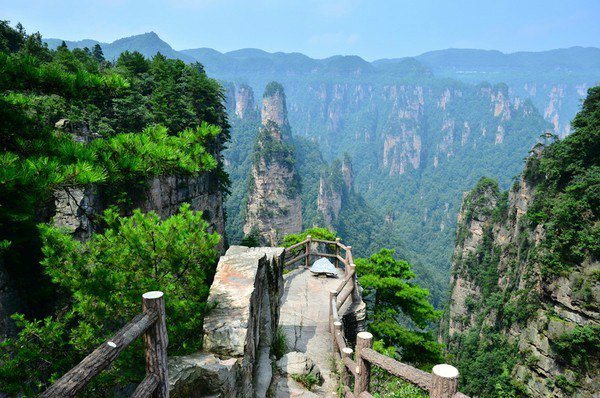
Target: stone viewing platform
305, 321
320, 316
239, 330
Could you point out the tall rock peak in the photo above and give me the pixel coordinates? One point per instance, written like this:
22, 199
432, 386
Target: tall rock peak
347, 172
335, 185
274, 106
244, 101
274, 203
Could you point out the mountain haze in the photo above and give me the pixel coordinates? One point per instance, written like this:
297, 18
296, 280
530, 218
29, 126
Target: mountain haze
148, 44
419, 131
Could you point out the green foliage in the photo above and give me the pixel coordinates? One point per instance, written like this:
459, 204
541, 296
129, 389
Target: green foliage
579, 348
38, 87
384, 385
486, 360
279, 347
272, 89
82, 293
270, 149
315, 233
565, 384
567, 198
401, 312
308, 380
252, 239
101, 282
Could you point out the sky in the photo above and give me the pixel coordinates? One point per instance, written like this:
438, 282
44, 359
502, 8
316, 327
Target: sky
372, 29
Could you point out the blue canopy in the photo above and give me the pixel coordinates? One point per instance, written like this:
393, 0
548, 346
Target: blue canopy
323, 266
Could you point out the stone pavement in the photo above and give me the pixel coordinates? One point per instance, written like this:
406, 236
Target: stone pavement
305, 320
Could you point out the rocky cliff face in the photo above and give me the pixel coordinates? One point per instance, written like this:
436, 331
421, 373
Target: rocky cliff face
274, 206
238, 332
244, 101
334, 186
409, 127
500, 289
75, 208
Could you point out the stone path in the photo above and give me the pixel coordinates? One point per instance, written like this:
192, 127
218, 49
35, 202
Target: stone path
305, 320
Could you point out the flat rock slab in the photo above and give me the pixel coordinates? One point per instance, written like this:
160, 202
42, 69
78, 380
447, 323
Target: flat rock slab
235, 292
305, 320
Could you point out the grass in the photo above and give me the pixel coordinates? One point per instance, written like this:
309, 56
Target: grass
308, 380
279, 346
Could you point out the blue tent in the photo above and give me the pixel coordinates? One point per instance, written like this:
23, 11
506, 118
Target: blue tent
323, 266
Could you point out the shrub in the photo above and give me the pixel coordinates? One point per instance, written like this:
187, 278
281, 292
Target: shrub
308, 380
279, 347
578, 347
104, 279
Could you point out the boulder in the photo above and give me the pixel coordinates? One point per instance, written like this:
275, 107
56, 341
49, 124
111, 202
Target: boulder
246, 291
202, 375
297, 363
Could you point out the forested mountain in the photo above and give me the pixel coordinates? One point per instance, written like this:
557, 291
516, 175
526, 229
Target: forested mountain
111, 185
523, 316
148, 44
416, 138
556, 80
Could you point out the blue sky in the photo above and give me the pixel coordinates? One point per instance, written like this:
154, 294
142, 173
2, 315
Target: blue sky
319, 28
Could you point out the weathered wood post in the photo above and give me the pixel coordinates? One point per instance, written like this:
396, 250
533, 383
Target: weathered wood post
444, 381
337, 253
156, 342
363, 368
346, 353
308, 248
332, 301
355, 291
349, 259
337, 329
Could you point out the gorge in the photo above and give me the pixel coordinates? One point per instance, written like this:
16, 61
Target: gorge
468, 197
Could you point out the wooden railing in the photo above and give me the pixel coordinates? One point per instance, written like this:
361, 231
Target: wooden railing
150, 323
441, 383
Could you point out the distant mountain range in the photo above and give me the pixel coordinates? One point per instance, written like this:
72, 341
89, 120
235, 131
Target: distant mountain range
554, 80
456, 61
420, 130
148, 44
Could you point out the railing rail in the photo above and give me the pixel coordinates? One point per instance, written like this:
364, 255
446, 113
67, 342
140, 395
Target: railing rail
441, 383
151, 324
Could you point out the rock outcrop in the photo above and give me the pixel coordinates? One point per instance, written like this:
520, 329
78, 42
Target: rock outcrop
244, 101
335, 185
274, 206
499, 287
238, 332
75, 208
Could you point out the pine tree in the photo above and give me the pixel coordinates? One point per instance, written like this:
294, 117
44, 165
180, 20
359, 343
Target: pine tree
97, 53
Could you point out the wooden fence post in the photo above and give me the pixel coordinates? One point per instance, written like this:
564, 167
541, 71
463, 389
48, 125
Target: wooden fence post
363, 368
156, 342
337, 253
444, 381
355, 290
346, 353
308, 247
337, 328
332, 300
349, 259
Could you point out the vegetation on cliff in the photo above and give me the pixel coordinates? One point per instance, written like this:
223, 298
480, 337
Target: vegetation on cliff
121, 124
567, 201
399, 311
100, 284
516, 334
